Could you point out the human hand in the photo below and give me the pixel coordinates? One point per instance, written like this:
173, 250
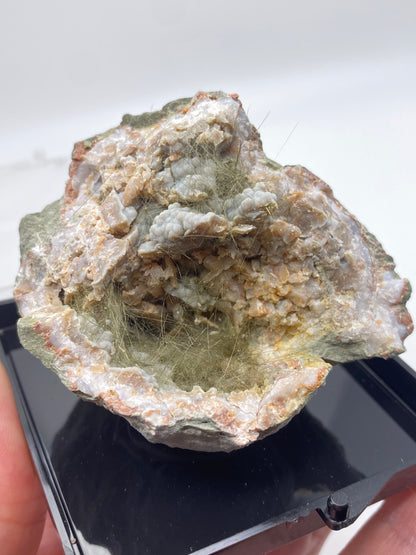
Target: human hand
25, 524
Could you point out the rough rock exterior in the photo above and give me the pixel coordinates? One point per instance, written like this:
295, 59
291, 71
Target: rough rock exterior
197, 288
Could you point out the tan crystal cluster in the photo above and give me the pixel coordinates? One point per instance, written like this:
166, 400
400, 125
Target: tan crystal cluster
197, 288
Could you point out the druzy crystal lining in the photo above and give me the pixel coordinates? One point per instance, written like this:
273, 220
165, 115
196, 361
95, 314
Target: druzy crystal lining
194, 286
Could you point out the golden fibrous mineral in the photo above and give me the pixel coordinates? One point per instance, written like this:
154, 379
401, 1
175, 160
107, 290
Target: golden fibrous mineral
193, 286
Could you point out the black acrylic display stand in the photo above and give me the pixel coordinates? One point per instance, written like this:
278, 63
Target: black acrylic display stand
353, 444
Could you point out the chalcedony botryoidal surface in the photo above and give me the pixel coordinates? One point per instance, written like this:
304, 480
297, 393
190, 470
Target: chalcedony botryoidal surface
197, 288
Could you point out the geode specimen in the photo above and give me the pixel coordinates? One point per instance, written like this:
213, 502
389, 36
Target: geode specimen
197, 288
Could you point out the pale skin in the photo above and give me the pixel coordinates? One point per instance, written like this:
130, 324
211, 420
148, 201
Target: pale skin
26, 527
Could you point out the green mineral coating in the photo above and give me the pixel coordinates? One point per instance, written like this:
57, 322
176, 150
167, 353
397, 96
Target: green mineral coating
88, 143
34, 342
332, 350
272, 164
151, 118
36, 229
39, 228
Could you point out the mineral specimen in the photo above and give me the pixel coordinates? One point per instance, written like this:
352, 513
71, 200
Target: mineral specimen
197, 288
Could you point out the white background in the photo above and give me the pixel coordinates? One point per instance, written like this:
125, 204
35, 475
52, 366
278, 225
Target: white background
332, 85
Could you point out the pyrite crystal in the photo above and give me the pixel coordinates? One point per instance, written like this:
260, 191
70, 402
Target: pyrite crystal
197, 288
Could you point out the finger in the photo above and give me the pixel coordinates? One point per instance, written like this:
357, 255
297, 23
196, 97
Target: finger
392, 529
308, 545
50, 543
22, 502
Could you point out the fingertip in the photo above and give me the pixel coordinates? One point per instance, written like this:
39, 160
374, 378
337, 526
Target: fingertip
310, 544
392, 529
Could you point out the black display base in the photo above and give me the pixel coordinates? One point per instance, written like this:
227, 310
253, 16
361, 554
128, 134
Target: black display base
354, 444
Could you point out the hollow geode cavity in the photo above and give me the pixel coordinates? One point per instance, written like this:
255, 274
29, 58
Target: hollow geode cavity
193, 286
